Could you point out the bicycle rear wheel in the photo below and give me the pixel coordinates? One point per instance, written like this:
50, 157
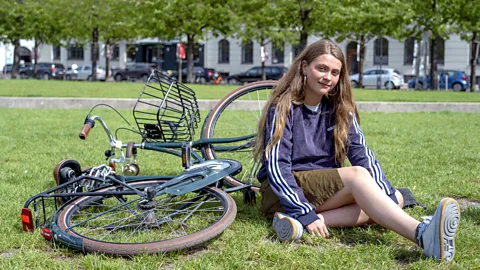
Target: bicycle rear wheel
236, 115
128, 225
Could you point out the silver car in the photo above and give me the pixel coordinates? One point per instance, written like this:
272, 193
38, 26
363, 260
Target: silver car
83, 73
390, 78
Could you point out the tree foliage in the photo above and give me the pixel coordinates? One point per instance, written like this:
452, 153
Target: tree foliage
363, 20
465, 14
433, 18
192, 19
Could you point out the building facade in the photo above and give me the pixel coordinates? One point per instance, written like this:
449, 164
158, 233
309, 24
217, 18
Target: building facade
228, 55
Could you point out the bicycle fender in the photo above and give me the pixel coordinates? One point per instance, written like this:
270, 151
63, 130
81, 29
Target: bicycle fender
193, 184
67, 239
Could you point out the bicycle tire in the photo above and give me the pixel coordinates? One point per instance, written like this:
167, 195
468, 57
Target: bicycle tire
219, 122
120, 235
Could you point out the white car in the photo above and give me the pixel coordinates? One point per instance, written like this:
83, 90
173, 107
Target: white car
390, 78
84, 72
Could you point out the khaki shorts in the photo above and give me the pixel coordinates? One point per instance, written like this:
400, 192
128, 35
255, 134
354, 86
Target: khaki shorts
317, 185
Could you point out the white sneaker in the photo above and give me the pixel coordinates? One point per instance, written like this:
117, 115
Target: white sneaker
436, 234
287, 228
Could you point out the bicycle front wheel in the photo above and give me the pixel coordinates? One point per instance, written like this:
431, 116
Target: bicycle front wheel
127, 224
237, 115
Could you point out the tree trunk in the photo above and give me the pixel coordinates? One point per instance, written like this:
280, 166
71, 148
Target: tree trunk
306, 23
433, 63
108, 55
473, 61
262, 46
94, 53
35, 58
16, 58
190, 44
361, 60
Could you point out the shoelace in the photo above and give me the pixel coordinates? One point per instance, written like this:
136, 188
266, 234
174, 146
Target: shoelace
421, 228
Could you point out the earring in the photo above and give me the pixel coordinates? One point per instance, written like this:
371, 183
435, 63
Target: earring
304, 79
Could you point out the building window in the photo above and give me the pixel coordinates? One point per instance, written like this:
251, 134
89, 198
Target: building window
131, 52
409, 50
56, 52
223, 51
115, 51
247, 53
440, 51
197, 50
278, 53
75, 52
381, 51
157, 53
91, 52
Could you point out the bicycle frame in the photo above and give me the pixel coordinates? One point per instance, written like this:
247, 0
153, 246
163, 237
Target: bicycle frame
167, 147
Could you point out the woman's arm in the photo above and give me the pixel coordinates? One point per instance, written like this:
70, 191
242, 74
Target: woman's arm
280, 176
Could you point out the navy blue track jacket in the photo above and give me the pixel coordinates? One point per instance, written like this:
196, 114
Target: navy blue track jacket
307, 144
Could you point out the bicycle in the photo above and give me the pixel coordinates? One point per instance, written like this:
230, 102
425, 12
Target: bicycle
100, 210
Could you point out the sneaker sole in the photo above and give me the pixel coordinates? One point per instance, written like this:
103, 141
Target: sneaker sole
449, 222
285, 229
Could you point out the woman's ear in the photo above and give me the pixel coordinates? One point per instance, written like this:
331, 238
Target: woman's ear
303, 67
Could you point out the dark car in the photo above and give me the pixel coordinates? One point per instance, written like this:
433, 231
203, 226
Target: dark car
135, 71
451, 79
201, 75
255, 74
45, 70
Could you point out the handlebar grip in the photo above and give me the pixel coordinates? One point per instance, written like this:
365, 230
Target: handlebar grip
89, 124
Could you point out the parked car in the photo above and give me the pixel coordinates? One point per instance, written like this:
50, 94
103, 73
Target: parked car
201, 75
255, 74
390, 78
135, 71
45, 71
7, 69
84, 72
457, 80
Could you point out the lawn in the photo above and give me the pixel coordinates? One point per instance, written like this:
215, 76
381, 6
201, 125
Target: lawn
433, 154
37, 88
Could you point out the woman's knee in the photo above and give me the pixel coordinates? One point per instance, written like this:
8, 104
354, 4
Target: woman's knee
353, 174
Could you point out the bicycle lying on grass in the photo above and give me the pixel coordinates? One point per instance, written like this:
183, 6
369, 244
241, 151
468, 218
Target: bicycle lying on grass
123, 213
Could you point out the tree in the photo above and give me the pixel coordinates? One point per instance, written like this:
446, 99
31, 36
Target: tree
91, 21
362, 20
12, 25
304, 18
193, 19
258, 22
434, 18
467, 25
43, 28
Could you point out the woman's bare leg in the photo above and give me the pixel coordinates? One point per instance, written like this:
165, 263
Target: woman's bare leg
341, 210
370, 202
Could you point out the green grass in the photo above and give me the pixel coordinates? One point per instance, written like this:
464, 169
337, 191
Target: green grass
37, 88
433, 154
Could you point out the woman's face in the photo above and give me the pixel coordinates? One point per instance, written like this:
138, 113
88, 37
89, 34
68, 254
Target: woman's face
322, 74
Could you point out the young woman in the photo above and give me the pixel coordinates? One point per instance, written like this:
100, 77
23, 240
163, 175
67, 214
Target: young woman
309, 126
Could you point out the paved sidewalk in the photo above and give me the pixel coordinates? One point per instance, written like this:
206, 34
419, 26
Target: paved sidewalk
119, 103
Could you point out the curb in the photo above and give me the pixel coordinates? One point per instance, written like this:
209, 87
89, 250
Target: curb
126, 103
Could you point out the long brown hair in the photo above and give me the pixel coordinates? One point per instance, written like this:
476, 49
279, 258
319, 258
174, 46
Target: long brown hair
290, 90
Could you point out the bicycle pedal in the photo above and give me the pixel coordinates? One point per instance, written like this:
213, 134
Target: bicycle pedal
249, 197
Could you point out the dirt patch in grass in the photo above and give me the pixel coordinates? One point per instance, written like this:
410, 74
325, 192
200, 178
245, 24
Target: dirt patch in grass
465, 203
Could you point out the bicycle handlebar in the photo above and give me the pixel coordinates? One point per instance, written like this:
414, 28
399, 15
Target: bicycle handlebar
89, 124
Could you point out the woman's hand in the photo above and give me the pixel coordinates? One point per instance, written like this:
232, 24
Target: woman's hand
318, 228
